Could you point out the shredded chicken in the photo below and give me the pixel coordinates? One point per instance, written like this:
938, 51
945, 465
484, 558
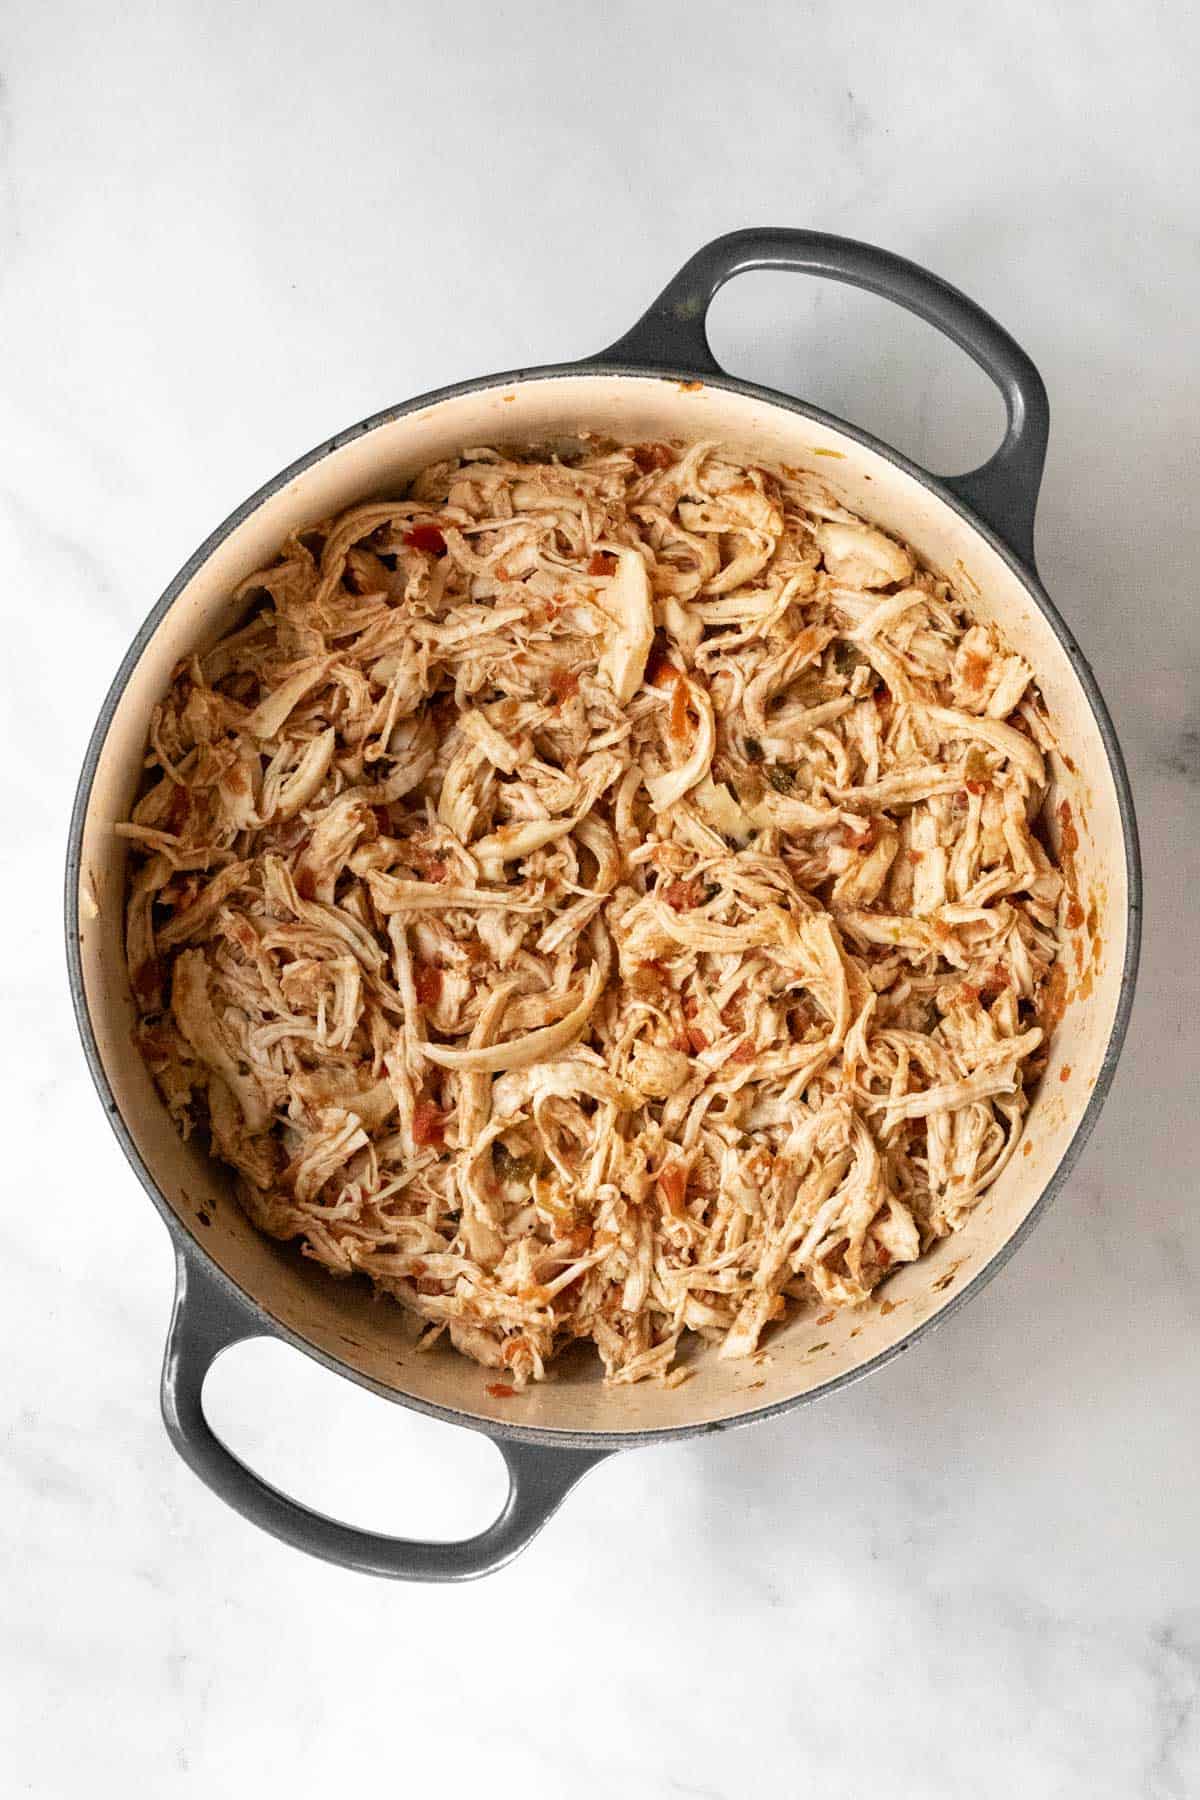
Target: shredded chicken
599, 896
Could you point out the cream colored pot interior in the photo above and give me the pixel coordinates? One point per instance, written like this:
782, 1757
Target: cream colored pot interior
341, 1320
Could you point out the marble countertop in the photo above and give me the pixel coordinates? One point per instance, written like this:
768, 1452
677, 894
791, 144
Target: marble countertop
223, 235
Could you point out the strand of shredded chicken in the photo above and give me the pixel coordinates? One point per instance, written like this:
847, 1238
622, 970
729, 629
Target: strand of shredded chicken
600, 897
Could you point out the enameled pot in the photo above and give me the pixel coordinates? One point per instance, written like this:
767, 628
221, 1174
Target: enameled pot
660, 380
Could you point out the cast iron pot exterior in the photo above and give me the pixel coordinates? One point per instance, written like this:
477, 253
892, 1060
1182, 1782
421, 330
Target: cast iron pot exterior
645, 383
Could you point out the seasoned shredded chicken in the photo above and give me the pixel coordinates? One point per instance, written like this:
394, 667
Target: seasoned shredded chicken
600, 897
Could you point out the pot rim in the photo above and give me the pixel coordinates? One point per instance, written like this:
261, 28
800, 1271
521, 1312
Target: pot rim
187, 1244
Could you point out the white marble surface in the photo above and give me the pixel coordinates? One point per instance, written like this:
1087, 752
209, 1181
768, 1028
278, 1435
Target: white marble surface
223, 234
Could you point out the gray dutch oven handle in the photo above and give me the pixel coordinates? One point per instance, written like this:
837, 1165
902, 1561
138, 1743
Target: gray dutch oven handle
207, 1319
671, 334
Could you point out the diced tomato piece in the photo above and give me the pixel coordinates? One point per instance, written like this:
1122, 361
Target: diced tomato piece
744, 1053
426, 538
682, 895
652, 456
697, 1039
429, 1124
601, 563
427, 978
500, 1390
